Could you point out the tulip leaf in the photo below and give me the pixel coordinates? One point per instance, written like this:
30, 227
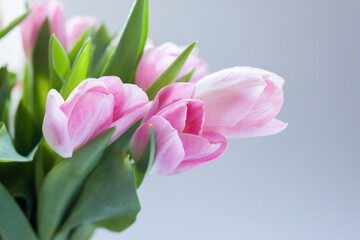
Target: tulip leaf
79, 70
171, 73
143, 164
74, 52
63, 183
59, 64
27, 131
4, 88
101, 40
13, 24
7, 150
131, 44
83, 232
187, 77
109, 199
13, 223
41, 80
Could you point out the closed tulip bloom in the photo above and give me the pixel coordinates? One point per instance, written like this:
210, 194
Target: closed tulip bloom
155, 60
30, 26
242, 102
181, 142
76, 27
93, 107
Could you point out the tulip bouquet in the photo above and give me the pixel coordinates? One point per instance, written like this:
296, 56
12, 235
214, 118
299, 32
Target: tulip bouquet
93, 114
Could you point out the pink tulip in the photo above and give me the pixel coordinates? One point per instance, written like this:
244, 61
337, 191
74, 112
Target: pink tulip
76, 27
93, 107
242, 102
181, 143
54, 11
155, 60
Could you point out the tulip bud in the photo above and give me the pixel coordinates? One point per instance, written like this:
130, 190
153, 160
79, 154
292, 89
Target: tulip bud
30, 26
242, 102
181, 143
93, 107
76, 27
155, 60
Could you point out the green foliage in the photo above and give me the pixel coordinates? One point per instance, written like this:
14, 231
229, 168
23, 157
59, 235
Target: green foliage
13, 24
59, 64
187, 77
7, 150
41, 75
62, 184
79, 69
130, 47
4, 87
171, 73
143, 164
111, 187
13, 223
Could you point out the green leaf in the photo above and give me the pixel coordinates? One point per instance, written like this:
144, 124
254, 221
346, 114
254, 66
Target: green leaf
124, 140
4, 87
187, 77
130, 47
170, 74
27, 131
7, 150
13, 24
109, 197
63, 183
144, 163
13, 223
59, 64
79, 70
74, 52
84, 232
41, 72
100, 42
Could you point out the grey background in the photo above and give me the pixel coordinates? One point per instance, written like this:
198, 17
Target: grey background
300, 184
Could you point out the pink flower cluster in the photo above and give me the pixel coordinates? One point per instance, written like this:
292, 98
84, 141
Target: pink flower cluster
191, 120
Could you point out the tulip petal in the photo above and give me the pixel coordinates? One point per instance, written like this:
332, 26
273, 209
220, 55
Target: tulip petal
92, 114
126, 121
200, 149
244, 131
169, 151
229, 95
55, 126
170, 94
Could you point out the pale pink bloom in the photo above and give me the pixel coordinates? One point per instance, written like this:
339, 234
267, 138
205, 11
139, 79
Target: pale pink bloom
15, 98
155, 60
242, 102
30, 26
77, 26
93, 107
181, 142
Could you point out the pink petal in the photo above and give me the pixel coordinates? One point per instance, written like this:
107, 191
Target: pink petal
92, 114
244, 131
55, 126
170, 94
229, 95
169, 151
126, 121
76, 27
200, 149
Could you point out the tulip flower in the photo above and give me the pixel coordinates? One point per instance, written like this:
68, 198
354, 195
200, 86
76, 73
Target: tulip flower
93, 107
242, 102
181, 142
30, 26
76, 27
155, 60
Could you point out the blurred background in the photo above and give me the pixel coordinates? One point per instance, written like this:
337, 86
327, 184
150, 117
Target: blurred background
300, 184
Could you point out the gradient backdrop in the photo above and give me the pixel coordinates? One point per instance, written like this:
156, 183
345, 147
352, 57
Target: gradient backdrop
302, 184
